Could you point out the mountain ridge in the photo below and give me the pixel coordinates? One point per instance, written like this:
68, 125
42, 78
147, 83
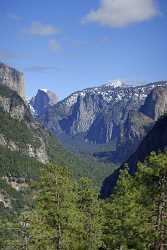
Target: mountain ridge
99, 115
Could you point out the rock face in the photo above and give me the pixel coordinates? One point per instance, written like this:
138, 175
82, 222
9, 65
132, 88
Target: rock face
156, 139
156, 103
18, 129
113, 114
134, 130
43, 100
12, 79
4, 200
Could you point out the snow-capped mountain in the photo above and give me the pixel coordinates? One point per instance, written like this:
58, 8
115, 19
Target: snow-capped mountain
154, 141
113, 113
115, 91
115, 84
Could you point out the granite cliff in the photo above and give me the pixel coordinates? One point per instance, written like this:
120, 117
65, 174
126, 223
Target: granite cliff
18, 129
110, 120
12, 78
155, 107
42, 101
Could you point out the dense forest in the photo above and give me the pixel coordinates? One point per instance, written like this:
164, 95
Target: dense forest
66, 214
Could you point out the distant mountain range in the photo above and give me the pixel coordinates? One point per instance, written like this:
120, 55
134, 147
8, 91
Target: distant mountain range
108, 122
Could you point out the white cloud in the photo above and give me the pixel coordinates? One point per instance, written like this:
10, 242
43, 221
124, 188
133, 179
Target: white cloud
54, 45
40, 29
120, 13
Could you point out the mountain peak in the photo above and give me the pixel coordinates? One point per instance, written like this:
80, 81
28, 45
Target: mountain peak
43, 99
114, 84
44, 90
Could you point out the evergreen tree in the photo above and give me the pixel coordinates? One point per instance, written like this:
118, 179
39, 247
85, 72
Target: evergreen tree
92, 217
13, 234
55, 220
136, 213
67, 215
126, 219
153, 174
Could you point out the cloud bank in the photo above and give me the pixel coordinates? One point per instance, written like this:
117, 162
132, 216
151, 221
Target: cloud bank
121, 13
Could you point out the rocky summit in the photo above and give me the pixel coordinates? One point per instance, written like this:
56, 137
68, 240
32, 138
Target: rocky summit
12, 78
43, 100
116, 115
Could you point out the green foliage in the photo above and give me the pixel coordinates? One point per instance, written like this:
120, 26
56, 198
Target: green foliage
153, 174
14, 164
20, 170
136, 213
16, 199
81, 166
17, 131
126, 223
65, 216
92, 215
55, 220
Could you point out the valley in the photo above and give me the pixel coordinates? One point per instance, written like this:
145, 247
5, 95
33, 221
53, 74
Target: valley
63, 156
83, 125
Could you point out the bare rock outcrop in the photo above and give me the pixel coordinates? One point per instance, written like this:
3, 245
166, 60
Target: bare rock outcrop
12, 78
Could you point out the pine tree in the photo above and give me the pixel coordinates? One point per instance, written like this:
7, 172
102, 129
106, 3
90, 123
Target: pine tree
136, 213
14, 234
126, 223
55, 220
154, 175
92, 217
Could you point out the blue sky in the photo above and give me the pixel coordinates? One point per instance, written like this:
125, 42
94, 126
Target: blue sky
69, 45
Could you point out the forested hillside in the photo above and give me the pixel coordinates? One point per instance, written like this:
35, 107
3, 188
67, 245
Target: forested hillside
66, 214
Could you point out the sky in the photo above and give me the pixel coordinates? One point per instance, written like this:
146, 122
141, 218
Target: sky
65, 46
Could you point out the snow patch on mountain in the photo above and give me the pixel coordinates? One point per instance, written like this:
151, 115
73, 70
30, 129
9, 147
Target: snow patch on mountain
115, 91
114, 84
44, 90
